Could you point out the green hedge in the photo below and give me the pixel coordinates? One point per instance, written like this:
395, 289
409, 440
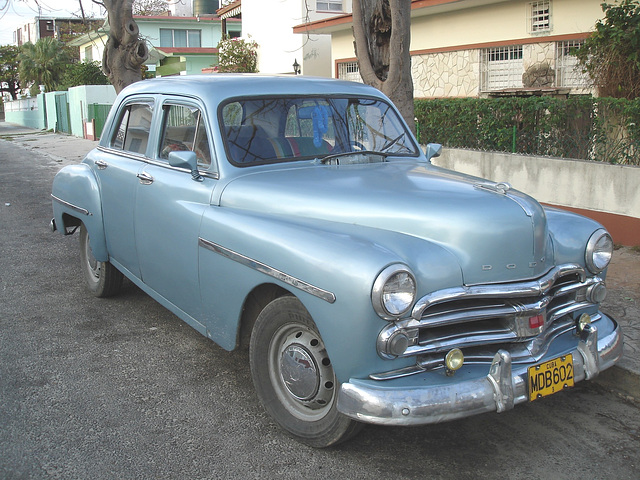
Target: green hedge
601, 129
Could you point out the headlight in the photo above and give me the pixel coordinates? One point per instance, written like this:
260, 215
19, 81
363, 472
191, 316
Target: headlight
599, 250
394, 292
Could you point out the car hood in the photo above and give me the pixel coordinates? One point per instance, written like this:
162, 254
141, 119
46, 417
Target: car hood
496, 233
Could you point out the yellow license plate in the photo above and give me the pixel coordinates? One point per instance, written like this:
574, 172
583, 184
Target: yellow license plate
550, 377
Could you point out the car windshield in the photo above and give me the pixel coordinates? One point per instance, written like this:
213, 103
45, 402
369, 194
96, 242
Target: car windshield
279, 129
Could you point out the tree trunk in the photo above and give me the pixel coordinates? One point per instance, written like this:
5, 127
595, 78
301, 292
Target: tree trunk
382, 32
125, 52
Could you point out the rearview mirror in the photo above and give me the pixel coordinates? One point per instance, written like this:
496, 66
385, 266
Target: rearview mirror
188, 160
433, 150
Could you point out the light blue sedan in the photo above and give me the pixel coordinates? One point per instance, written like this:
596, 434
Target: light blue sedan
298, 217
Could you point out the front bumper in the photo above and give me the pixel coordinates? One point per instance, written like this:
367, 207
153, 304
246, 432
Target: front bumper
503, 386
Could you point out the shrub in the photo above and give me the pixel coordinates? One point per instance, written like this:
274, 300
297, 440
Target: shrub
236, 55
602, 129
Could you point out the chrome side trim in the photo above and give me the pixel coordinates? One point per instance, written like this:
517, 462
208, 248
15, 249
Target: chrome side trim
84, 211
267, 270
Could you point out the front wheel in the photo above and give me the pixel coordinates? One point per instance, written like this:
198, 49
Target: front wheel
293, 375
102, 278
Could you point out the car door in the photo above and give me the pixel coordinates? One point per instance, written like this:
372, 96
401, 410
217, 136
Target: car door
169, 207
117, 167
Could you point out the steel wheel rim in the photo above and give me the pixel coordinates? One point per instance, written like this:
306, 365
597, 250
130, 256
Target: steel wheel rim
93, 266
301, 372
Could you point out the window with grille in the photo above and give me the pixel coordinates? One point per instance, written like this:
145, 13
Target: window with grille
568, 72
329, 6
502, 68
540, 16
349, 71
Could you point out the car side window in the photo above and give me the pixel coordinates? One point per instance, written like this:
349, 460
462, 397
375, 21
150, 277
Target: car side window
184, 128
132, 134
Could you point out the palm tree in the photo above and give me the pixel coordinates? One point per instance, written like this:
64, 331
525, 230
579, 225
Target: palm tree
43, 63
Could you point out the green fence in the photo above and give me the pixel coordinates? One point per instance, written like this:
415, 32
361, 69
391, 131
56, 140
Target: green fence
98, 112
581, 127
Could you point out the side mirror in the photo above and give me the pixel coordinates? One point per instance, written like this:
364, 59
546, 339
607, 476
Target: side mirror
433, 150
188, 160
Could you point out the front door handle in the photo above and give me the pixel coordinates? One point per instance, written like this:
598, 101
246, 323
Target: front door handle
101, 164
145, 179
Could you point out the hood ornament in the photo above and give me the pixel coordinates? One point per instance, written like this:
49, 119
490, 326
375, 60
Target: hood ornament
500, 187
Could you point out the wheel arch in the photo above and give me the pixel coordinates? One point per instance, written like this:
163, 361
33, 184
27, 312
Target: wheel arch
254, 303
76, 199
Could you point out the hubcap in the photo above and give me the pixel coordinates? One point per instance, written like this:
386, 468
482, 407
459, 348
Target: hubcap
299, 372
303, 377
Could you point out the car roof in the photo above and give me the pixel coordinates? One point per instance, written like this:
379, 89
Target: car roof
217, 87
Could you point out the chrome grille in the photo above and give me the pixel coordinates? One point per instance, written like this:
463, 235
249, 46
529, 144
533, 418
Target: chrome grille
480, 319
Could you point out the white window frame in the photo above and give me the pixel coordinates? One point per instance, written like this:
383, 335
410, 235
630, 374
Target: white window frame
539, 20
329, 6
502, 68
188, 31
568, 72
349, 71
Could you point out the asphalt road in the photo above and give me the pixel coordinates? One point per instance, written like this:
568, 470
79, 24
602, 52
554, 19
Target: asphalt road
121, 389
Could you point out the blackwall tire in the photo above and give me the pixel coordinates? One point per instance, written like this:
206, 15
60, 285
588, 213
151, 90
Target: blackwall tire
102, 278
293, 376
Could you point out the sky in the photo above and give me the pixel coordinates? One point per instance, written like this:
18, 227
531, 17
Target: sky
14, 13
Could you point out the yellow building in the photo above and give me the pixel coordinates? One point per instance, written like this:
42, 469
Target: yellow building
478, 48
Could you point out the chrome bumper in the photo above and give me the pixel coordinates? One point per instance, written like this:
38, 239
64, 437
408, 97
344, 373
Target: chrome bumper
504, 386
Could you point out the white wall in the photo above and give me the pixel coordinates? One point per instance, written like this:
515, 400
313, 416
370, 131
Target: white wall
580, 184
270, 23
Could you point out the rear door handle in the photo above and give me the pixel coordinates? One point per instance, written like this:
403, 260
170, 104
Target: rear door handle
101, 164
145, 179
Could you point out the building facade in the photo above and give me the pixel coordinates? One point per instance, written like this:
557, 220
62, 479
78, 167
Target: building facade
478, 48
177, 45
55, 27
279, 48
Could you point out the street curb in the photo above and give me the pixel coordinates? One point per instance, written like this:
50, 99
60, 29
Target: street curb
620, 380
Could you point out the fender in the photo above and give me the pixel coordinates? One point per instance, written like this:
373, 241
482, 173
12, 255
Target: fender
570, 233
236, 247
76, 193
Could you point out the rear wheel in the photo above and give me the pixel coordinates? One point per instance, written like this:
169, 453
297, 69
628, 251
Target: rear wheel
293, 375
102, 278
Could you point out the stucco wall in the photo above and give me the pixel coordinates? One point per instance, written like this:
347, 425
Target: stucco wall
589, 186
79, 97
31, 114
498, 22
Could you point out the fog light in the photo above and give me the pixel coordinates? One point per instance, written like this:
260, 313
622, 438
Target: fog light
583, 322
453, 360
398, 344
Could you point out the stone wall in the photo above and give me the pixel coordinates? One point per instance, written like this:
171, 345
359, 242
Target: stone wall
446, 74
459, 73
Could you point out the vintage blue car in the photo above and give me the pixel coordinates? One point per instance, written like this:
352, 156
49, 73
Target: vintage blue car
300, 218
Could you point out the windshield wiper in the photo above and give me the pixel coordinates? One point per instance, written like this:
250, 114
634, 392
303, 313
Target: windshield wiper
351, 158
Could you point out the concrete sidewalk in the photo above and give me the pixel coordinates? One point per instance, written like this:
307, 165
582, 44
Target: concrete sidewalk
623, 281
